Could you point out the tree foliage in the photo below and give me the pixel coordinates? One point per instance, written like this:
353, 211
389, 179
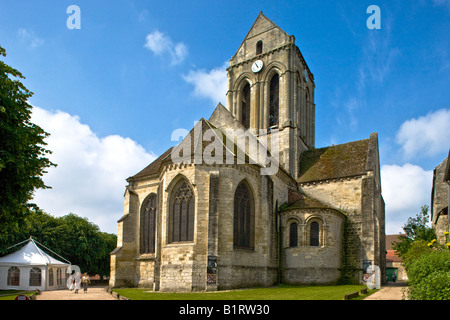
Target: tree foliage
72, 237
22, 154
426, 262
415, 229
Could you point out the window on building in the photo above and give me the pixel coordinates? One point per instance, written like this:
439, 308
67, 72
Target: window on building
59, 279
50, 277
274, 100
314, 234
148, 224
35, 277
293, 235
259, 47
13, 276
182, 212
243, 223
245, 106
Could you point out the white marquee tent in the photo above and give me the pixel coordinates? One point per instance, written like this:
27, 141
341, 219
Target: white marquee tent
31, 268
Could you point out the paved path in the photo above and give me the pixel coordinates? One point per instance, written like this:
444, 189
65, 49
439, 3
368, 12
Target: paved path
390, 291
93, 293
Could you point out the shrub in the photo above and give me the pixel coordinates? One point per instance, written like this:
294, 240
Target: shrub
426, 264
418, 249
429, 275
435, 286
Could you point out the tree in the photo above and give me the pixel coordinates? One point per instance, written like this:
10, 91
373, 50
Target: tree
22, 154
415, 229
72, 237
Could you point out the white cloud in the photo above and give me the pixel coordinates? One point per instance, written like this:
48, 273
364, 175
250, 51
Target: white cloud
161, 44
29, 38
445, 3
405, 190
425, 136
90, 177
378, 55
211, 84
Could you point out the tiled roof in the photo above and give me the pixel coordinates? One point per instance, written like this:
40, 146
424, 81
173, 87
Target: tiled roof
391, 256
153, 168
339, 161
193, 143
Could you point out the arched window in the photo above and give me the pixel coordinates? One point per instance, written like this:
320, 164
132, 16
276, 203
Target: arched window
148, 224
293, 235
245, 106
314, 234
243, 223
13, 276
50, 277
274, 100
35, 277
182, 211
259, 47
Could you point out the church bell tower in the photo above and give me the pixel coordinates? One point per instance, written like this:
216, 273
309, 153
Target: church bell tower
271, 87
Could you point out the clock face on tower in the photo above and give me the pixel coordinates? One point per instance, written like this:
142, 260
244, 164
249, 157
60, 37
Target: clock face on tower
257, 66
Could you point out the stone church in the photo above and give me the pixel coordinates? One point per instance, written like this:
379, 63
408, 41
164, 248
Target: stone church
245, 199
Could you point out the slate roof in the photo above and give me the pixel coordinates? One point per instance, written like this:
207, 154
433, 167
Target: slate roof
339, 161
153, 168
190, 140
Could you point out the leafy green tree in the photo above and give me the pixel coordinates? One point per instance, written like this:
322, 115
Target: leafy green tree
415, 229
22, 154
72, 237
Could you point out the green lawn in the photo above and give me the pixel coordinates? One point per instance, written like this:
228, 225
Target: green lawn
280, 292
12, 294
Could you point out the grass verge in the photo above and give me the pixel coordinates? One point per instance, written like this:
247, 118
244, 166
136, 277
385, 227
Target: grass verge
280, 292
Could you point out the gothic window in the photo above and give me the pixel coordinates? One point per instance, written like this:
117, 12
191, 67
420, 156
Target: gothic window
245, 106
293, 235
243, 223
35, 277
182, 213
259, 47
148, 224
314, 234
13, 276
274, 100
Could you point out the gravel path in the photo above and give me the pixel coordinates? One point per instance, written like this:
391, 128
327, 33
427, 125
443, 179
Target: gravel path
390, 291
93, 293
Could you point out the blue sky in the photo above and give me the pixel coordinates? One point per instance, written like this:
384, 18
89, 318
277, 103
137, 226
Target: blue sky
112, 92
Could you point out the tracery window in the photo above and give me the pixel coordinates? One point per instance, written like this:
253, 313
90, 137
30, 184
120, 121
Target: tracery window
243, 223
148, 224
274, 100
314, 234
35, 277
13, 276
245, 106
182, 212
293, 235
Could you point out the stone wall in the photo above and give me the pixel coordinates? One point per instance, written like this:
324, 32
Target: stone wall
305, 264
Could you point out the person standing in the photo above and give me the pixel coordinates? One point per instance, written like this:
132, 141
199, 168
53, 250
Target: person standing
85, 281
394, 277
